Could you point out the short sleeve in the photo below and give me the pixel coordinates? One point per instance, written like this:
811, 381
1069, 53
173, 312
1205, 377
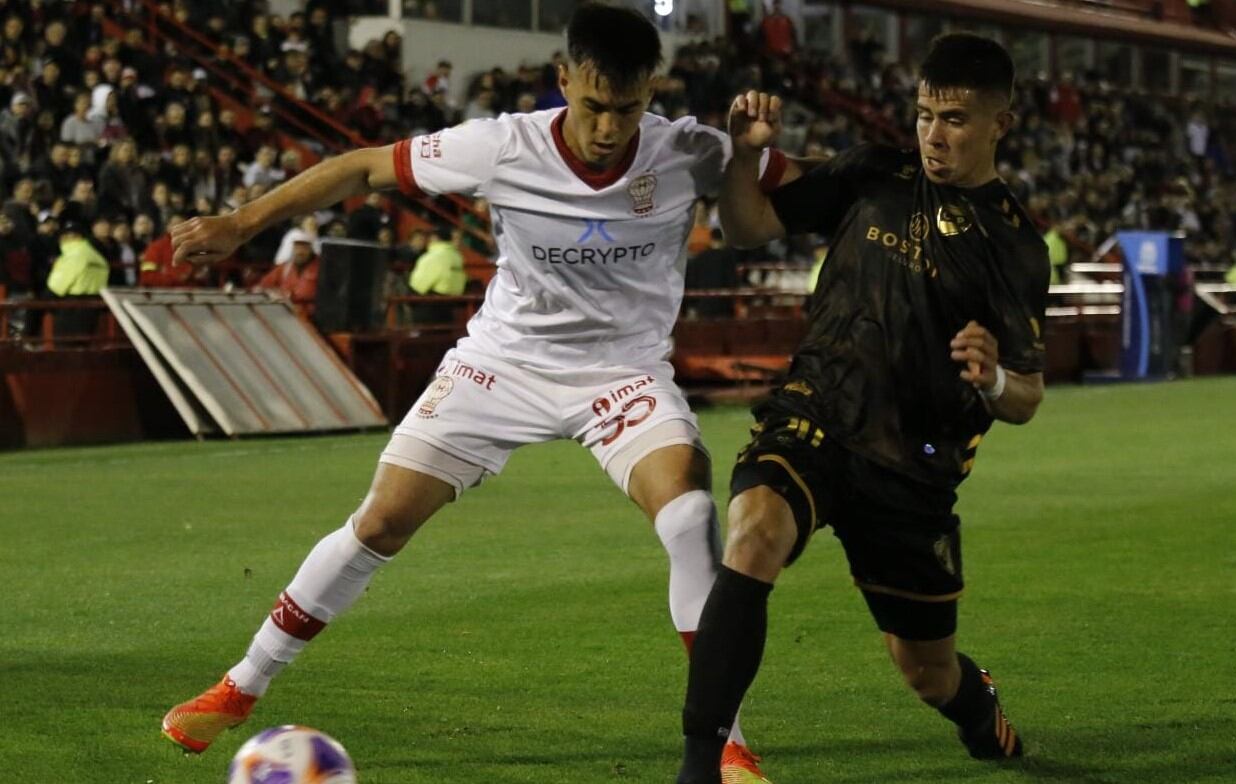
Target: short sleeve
817, 201
709, 150
1021, 308
455, 160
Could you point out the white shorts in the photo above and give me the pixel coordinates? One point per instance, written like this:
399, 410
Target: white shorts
478, 409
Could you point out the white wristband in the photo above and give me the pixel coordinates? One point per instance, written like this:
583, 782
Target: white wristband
997, 389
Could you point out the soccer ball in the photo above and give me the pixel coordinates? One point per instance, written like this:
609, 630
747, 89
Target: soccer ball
291, 755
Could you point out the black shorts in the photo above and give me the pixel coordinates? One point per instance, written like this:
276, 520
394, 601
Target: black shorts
900, 536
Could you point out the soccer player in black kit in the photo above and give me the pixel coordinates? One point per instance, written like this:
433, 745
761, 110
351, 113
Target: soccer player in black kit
924, 328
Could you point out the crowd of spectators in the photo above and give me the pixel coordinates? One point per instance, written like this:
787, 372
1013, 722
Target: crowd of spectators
104, 137
1085, 157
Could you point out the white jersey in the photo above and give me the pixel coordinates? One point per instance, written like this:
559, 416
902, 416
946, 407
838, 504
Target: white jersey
590, 265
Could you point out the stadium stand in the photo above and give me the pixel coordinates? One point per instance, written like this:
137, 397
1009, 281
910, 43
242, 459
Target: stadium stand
124, 116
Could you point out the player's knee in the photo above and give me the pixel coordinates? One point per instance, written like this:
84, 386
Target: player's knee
393, 511
762, 533
690, 515
384, 528
666, 475
386, 521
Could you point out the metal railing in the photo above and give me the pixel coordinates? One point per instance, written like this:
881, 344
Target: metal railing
39, 324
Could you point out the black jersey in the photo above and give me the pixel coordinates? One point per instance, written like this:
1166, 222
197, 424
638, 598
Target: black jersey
910, 263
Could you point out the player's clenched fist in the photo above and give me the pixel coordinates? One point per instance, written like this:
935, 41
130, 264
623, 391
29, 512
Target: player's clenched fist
978, 349
206, 240
755, 121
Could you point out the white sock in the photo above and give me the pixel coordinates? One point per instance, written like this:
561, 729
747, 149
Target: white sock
330, 580
689, 530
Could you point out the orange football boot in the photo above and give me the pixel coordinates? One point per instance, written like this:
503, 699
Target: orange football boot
740, 766
194, 725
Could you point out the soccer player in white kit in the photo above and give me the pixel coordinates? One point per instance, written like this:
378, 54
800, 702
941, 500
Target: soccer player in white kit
591, 207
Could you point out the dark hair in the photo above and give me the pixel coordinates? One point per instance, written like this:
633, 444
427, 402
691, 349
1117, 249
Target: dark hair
443, 231
622, 45
968, 61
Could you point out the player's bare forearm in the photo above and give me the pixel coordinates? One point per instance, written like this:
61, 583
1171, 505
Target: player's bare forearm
747, 216
207, 239
325, 184
1020, 400
1010, 397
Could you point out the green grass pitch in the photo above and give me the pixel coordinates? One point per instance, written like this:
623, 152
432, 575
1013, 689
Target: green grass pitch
524, 636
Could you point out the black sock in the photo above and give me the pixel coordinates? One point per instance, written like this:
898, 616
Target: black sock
973, 703
724, 660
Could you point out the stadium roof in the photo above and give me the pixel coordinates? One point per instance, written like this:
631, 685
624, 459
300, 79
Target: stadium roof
1068, 18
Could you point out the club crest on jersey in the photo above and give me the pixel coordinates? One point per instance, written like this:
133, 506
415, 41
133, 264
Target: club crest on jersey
434, 394
952, 220
641, 190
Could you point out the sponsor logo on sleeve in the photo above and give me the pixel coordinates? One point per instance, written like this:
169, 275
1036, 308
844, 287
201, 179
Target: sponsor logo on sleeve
431, 146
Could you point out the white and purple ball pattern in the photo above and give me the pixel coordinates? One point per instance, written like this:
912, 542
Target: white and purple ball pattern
291, 755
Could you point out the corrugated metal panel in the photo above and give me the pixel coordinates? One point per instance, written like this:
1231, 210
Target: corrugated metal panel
247, 359
183, 400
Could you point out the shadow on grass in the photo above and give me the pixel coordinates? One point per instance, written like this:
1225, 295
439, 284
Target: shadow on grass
1132, 753
1140, 753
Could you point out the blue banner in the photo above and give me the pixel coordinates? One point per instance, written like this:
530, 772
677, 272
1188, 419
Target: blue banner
1149, 258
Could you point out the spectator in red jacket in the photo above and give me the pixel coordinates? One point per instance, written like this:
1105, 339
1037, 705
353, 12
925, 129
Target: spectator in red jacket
777, 33
439, 80
297, 280
159, 270
14, 259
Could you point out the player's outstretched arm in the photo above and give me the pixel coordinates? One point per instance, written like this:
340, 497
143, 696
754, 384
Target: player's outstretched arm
207, 239
1010, 397
747, 215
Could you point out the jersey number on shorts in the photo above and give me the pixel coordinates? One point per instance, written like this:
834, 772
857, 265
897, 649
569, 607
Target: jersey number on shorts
627, 419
